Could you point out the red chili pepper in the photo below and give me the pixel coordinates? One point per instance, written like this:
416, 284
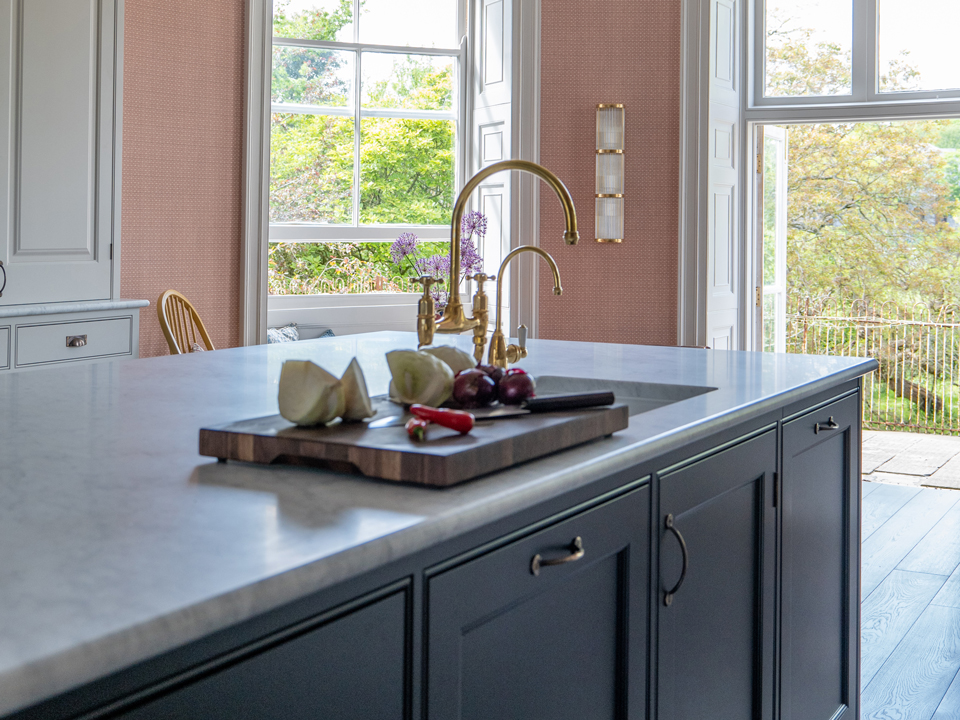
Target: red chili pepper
457, 420
417, 429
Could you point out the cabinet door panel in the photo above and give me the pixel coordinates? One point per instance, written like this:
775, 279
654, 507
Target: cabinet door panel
57, 106
712, 662
352, 667
820, 563
567, 643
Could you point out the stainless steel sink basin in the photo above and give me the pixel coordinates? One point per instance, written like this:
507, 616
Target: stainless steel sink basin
638, 396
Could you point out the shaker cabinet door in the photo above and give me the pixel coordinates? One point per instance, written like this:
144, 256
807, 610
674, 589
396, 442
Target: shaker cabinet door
716, 599
59, 98
562, 641
353, 666
821, 562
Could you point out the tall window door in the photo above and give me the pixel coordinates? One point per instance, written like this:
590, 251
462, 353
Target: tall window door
852, 73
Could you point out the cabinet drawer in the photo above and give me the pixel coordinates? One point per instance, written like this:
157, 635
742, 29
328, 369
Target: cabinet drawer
507, 643
48, 343
815, 426
4, 348
351, 667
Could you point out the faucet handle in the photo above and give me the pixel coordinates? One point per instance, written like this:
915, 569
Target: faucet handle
427, 281
480, 278
518, 352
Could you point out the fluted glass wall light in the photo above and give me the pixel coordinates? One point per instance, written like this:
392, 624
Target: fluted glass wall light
610, 132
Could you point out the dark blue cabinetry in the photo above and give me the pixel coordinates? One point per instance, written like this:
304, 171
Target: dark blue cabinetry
715, 582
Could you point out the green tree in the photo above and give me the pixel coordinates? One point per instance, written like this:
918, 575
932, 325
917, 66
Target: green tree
871, 205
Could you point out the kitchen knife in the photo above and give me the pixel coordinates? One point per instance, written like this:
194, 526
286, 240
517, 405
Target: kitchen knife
547, 403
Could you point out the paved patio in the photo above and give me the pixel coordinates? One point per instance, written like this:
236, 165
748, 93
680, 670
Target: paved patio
911, 459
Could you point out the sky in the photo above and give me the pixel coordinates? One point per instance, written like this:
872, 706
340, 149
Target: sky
924, 28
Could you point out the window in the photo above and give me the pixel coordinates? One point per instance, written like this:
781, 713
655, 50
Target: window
856, 104
854, 51
364, 138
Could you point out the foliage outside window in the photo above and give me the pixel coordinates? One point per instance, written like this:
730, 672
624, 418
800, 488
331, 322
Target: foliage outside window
363, 137
873, 207
828, 45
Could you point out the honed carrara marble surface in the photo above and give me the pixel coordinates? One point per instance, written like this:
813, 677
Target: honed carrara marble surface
71, 307
118, 541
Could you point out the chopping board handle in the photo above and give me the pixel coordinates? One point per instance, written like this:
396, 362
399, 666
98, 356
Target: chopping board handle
549, 403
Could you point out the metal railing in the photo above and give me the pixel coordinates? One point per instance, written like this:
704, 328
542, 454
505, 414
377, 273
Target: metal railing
917, 387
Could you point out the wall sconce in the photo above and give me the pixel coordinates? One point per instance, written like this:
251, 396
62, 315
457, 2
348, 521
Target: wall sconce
610, 132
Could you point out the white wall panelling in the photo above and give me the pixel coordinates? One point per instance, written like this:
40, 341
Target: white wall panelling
4, 347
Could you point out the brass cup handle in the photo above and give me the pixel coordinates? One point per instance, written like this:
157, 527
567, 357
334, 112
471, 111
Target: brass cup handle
828, 425
75, 341
576, 547
668, 596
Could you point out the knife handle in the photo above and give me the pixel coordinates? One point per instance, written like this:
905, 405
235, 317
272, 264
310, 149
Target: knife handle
572, 401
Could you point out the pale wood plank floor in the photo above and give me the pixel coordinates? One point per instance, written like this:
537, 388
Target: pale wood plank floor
910, 667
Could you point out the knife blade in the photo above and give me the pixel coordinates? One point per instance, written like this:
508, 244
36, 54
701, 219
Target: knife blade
547, 403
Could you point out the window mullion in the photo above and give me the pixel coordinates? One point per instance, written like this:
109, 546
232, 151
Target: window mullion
864, 51
356, 115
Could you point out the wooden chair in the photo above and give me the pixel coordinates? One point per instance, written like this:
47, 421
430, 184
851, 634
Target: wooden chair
181, 325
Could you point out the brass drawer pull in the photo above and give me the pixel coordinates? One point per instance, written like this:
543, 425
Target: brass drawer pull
668, 596
828, 425
576, 553
76, 341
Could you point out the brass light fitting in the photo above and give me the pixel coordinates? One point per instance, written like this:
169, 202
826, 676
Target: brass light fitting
610, 173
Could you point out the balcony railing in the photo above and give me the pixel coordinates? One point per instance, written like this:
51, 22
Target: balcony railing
917, 387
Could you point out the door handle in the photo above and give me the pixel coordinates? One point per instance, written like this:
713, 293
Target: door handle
828, 425
668, 596
4, 285
577, 552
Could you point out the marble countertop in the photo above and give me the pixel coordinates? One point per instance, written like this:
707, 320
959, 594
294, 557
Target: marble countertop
70, 307
119, 541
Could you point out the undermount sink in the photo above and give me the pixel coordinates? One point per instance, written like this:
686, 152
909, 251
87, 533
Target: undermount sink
639, 397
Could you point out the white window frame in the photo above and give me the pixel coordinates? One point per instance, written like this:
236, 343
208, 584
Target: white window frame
356, 232
256, 163
865, 104
865, 74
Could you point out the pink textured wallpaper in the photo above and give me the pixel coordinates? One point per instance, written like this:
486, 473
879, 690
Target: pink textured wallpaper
618, 51
182, 145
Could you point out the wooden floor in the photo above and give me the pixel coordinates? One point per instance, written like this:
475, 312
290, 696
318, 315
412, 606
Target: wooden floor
910, 668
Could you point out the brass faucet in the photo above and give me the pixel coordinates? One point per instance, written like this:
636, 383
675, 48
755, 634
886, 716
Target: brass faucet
454, 319
500, 352
426, 311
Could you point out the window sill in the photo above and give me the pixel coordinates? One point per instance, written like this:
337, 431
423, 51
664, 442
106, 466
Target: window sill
348, 314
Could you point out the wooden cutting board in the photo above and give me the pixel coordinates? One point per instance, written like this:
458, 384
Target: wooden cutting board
446, 458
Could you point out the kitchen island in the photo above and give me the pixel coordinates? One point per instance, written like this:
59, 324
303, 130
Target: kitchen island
140, 580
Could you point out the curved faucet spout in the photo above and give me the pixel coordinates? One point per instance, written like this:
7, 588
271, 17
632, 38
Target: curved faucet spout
500, 354
454, 319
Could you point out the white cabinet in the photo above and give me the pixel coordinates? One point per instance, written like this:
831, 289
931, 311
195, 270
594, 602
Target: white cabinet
60, 123
89, 331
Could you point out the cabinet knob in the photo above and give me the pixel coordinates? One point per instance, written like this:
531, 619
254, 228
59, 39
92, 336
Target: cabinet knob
76, 340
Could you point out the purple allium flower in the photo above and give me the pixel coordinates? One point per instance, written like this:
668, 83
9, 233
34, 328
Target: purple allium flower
473, 223
470, 260
438, 266
404, 245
